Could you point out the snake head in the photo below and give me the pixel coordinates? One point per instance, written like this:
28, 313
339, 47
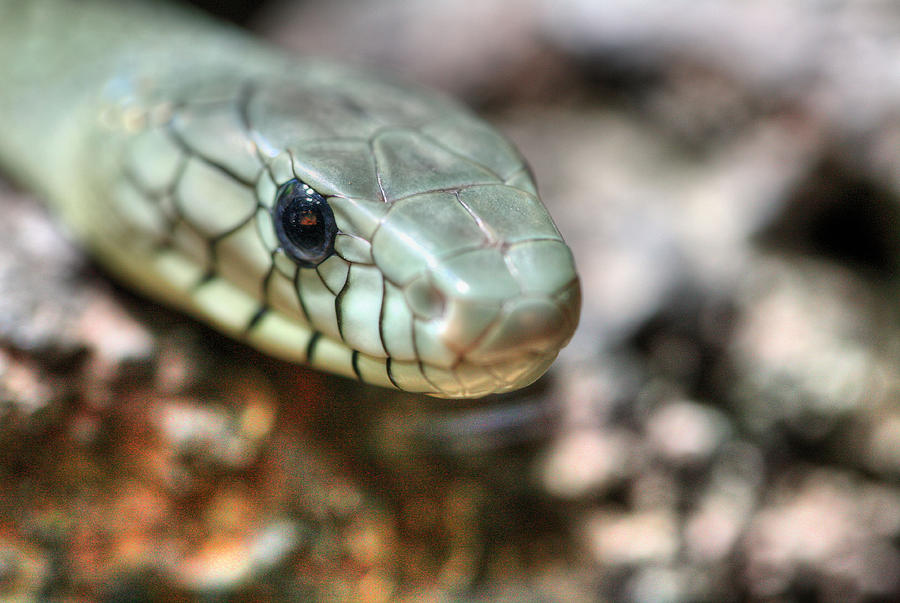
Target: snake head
374, 230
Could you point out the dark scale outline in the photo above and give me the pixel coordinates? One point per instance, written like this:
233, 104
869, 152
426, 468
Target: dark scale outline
322, 278
353, 236
421, 366
381, 313
416, 129
390, 373
156, 198
265, 306
251, 186
354, 362
379, 179
419, 362
242, 105
339, 312
381, 324
187, 153
338, 306
214, 241
179, 140
173, 222
300, 300
449, 189
255, 319
297, 282
211, 270
490, 236
170, 194
311, 347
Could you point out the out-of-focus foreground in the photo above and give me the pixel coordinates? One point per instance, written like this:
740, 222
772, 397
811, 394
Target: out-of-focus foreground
724, 426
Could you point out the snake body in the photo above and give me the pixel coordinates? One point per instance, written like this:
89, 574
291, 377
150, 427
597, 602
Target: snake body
186, 156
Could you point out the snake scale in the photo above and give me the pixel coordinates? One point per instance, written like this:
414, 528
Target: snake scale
320, 213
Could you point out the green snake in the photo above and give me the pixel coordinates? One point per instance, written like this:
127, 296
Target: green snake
317, 212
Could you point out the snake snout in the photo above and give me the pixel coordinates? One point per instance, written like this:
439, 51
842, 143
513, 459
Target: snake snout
530, 326
508, 314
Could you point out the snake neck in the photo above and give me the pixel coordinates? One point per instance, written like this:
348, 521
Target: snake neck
74, 62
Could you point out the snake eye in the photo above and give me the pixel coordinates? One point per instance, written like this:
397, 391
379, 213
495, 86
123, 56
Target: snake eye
304, 223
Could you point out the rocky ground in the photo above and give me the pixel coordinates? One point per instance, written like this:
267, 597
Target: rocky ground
724, 426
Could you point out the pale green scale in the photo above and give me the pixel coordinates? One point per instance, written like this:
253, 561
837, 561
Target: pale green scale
397, 325
140, 213
353, 249
506, 210
334, 273
242, 258
334, 356
420, 230
411, 163
265, 228
153, 160
280, 335
467, 321
265, 192
178, 269
359, 217
227, 306
423, 299
282, 296
214, 132
374, 372
163, 139
211, 201
522, 181
324, 165
191, 244
409, 376
472, 138
486, 275
285, 265
514, 317
444, 380
323, 116
431, 348
477, 380
318, 301
281, 169
360, 309
540, 264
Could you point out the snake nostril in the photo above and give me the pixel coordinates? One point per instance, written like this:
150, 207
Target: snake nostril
425, 300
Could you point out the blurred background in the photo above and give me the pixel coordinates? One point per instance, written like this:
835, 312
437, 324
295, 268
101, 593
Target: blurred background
724, 426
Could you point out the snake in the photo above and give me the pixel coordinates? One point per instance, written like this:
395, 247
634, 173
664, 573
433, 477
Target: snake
322, 213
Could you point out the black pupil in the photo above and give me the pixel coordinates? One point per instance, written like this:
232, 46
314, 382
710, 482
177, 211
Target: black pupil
304, 223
